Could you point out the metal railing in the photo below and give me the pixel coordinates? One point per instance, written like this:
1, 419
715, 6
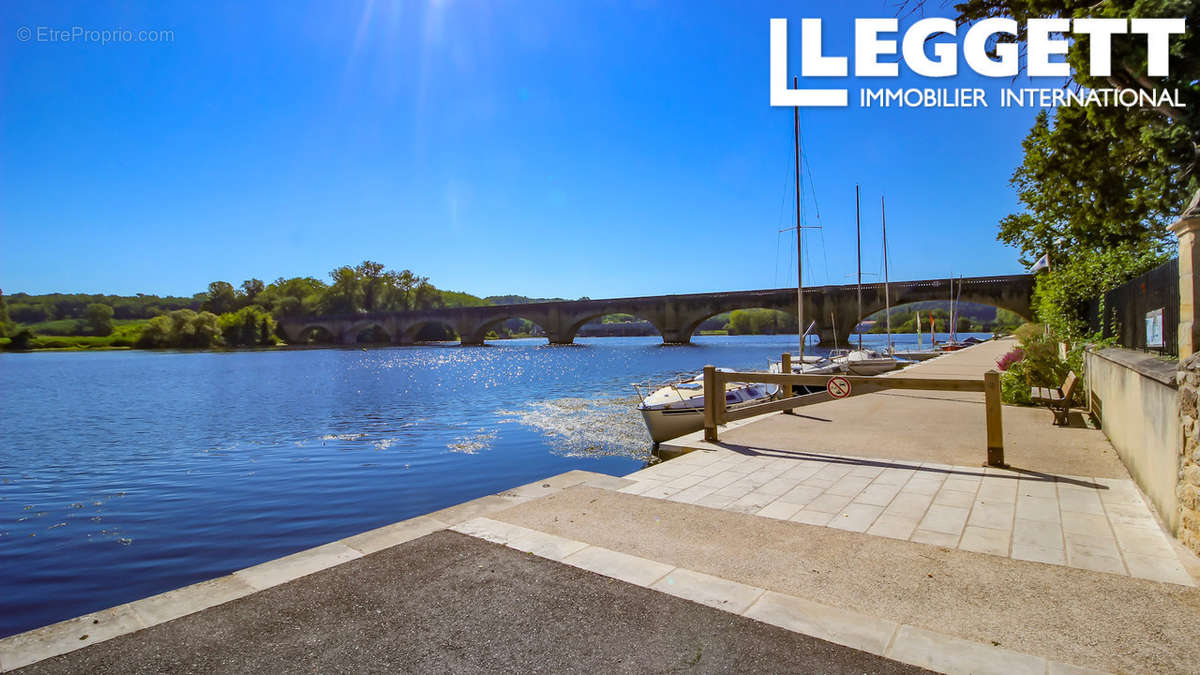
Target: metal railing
717, 414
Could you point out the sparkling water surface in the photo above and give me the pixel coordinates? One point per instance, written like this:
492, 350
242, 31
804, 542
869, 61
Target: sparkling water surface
125, 474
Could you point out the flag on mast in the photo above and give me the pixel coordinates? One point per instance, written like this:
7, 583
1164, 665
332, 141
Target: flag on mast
1043, 263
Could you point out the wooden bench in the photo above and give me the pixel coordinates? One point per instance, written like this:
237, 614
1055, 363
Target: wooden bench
1057, 400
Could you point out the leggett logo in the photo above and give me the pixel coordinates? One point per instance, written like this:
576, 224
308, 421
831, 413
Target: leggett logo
1045, 38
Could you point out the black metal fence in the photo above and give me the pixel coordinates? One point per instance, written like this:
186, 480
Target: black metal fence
1142, 313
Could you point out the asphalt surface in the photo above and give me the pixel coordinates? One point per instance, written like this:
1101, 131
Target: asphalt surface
450, 603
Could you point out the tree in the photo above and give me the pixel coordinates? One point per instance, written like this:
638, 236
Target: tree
6, 324
425, 296
221, 298
299, 296
374, 284
251, 288
1098, 182
157, 332
99, 318
1085, 187
181, 328
345, 294
1178, 128
22, 340
266, 331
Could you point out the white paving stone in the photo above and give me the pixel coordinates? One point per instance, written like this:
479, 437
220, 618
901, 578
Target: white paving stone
909, 506
843, 627
706, 589
812, 517
946, 654
828, 503
856, 517
1090, 523
996, 515
894, 527
946, 497
801, 494
877, 494
849, 486
1035, 533
944, 519
985, 540
1137, 541
920, 485
935, 538
780, 510
617, 565
275, 572
1052, 556
1039, 489
1169, 570
1038, 508
691, 495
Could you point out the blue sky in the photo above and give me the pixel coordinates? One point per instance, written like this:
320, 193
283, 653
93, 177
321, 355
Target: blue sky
540, 148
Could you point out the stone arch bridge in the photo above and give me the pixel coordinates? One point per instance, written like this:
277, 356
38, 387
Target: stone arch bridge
675, 316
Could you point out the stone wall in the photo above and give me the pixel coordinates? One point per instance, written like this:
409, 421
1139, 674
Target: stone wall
1188, 489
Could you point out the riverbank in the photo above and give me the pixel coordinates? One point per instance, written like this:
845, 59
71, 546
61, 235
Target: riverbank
899, 556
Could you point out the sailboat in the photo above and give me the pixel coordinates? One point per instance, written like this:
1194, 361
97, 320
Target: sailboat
804, 365
866, 361
676, 409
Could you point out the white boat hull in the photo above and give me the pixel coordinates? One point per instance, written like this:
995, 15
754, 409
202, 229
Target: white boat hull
666, 419
871, 366
665, 424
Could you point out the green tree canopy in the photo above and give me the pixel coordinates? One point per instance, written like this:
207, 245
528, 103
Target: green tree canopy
99, 318
221, 298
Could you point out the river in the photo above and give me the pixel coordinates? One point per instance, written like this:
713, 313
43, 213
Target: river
125, 474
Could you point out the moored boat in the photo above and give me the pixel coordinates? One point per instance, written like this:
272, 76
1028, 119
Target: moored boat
678, 408
866, 361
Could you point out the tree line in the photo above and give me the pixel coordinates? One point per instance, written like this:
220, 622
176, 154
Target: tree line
223, 315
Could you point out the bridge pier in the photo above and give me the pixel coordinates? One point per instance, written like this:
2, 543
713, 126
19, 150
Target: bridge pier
826, 337
676, 336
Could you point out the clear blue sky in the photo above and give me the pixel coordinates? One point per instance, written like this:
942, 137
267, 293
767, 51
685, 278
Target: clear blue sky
539, 148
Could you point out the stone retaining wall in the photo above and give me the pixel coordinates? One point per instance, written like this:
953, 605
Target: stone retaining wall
1188, 489
1135, 395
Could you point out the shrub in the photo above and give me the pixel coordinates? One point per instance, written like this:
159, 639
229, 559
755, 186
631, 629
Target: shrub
1062, 295
1014, 388
1009, 359
22, 340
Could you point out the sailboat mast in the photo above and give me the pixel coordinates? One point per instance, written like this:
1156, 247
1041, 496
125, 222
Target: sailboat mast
858, 240
799, 233
950, 322
887, 298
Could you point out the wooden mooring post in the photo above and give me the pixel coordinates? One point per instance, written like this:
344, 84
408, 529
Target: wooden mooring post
785, 366
710, 397
995, 427
716, 414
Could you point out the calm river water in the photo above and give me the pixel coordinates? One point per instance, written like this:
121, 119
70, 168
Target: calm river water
125, 474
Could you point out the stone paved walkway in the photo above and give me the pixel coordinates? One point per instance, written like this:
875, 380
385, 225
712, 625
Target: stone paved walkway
1098, 524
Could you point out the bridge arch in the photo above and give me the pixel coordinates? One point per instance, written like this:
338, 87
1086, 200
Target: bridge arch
785, 324
428, 330
315, 333
478, 333
373, 330
575, 323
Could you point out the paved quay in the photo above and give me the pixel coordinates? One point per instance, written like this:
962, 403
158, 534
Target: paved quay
779, 549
